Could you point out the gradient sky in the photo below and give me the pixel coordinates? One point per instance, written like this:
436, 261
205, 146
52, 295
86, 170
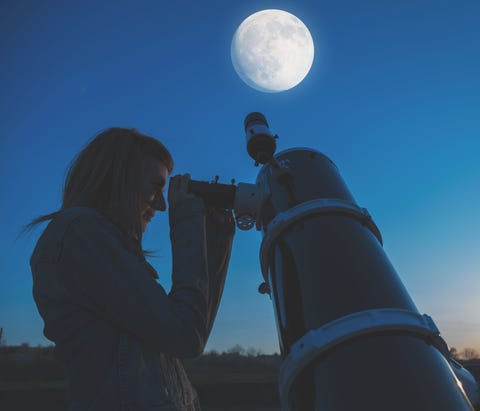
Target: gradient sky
393, 98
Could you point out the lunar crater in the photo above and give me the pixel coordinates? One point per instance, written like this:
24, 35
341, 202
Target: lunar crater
272, 51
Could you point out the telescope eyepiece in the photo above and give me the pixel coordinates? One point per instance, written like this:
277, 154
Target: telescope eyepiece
255, 118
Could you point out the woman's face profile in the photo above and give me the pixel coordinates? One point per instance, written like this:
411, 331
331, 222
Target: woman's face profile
155, 176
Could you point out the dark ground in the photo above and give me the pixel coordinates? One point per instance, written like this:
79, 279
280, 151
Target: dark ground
30, 379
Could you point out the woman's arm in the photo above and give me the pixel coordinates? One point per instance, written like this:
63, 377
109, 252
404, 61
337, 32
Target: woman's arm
117, 285
219, 231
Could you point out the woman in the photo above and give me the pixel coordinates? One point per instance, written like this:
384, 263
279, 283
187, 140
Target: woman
117, 331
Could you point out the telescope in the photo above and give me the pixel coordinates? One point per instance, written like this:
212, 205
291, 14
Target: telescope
350, 335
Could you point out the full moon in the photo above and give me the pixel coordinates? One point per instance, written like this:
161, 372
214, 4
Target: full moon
272, 51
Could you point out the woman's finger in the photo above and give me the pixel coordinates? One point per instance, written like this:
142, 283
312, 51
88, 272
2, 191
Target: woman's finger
184, 183
178, 188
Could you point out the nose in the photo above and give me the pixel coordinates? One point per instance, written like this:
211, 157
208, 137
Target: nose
159, 203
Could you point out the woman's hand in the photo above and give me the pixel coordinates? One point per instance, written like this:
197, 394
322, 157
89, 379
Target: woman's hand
178, 189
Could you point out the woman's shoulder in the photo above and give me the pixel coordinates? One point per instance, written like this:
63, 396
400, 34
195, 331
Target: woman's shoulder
71, 214
76, 218
83, 219
49, 245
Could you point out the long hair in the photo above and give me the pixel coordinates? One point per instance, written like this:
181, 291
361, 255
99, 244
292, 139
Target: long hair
108, 175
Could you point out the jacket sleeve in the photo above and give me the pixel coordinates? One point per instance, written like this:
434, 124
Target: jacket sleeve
117, 284
220, 229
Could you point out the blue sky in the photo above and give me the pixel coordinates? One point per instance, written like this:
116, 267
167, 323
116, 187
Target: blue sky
393, 98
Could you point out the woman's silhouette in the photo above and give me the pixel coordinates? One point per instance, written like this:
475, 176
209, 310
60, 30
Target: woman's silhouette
119, 334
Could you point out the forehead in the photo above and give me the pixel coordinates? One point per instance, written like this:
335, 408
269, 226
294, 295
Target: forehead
154, 169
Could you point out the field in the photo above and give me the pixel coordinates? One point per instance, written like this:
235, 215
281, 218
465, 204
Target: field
30, 379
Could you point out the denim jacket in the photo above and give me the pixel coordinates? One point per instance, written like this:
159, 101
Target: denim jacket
118, 333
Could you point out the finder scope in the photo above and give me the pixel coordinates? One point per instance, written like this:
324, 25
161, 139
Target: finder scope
261, 143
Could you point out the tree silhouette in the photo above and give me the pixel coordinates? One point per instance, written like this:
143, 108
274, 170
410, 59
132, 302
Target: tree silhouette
236, 349
469, 354
252, 352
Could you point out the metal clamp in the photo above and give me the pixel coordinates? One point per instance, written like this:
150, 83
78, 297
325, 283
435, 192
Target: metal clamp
316, 342
320, 206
